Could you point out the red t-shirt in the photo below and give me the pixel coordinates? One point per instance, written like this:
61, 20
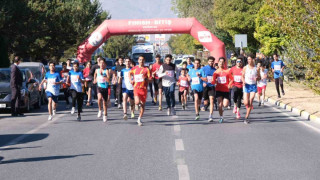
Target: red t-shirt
86, 72
184, 83
64, 74
155, 67
236, 76
221, 78
141, 76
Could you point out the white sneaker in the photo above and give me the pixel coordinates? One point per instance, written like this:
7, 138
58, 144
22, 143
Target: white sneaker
79, 118
105, 118
139, 121
53, 112
125, 117
99, 114
229, 107
72, 110
50, 118
119, 106
210, 119
173, 111
169, 111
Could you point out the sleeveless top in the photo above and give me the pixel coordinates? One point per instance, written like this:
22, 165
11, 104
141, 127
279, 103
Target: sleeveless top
251, 75
101, 81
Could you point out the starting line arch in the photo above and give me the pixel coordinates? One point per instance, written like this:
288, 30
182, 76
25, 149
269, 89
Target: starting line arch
151, 26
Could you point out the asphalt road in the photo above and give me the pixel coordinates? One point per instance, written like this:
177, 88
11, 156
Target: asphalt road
276, 145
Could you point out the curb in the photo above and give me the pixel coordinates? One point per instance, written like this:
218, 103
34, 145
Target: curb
303, 114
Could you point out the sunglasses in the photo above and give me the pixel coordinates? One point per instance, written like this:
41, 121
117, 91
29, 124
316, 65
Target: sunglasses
238, 61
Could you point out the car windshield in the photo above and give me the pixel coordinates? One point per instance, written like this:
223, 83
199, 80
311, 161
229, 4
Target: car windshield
4, 75
178, 61
147, 56
109, 63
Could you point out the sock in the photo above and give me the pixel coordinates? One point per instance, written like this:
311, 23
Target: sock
221, 117
262, 101
210, 116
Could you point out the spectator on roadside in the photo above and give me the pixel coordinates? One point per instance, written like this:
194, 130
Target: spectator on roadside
16, 80
233, 59
69, 67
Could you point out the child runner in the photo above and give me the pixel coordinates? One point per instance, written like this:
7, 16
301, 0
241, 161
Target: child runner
236, 72
262, 84
221, 77
141, 76
127, 89
197, 76
250, 76
183, 84
102, 78
53, 80
76, 78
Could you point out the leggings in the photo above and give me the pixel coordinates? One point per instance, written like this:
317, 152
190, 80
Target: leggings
169, 93
66, 95
279, 81
151, 90
114, 88
237, 95
77, 97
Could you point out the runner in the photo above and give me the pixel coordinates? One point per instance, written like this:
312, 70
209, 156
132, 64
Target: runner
209, 89
221, 77
102, 78
119, 86
250, 76
76, 79
197, 76
237, 88
184, 85
88, 83
141, 76
151, 88
114, 82
189, 63
53, 80
262, 84
65, 87
277, 67
127, 89
69, 65
157, 82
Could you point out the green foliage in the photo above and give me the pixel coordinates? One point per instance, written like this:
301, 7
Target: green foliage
299, 22
184, 44
37, 28
119, 46
238, 17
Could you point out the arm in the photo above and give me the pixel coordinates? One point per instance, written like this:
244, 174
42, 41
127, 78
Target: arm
40, 85
95, 78
230, 80
107, 77
161, 73
214, 78
242, 76
203, 77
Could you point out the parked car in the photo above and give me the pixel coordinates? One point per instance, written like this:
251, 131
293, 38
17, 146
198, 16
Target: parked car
110, 63
38, 70
178, 62
30, 95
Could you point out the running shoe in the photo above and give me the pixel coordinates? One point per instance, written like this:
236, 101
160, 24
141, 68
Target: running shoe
99, 114
132, 115
173, 111
125, 117
221, 120
229, 107
262, 104
197, 117
168, 111
235, 110
203, 109
210, 119
50, 118
105, 118
283, 93
115, 102
54, 112
119, 106
139, 121
246, 121
238, 115
160, 108
154, 103
72, 110
183, 107
279, 97
79, 118
155, 99
259, 104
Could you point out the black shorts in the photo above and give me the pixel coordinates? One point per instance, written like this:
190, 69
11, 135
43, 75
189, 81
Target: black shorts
224, 95
103, 92
157, 84
209, 91
200, 94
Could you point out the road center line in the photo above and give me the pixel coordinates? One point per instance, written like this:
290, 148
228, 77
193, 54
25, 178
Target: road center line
183, 172
179, 145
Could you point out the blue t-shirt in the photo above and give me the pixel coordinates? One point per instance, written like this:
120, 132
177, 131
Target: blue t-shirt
190, 66
51, 80
74, 80
126, 79
113, 68
277, 65
208, 71
101, 81
196, 82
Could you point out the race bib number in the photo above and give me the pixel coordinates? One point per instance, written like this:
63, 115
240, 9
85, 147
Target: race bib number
237, 78
51, 81
101, 79
126, 76
277, 67
138, 78
222, 80
74, 78
65, 75
184, 83
195, 80
118, 73
170, 73
209, 79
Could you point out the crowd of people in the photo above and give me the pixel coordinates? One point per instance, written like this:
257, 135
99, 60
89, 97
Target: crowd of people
208, 86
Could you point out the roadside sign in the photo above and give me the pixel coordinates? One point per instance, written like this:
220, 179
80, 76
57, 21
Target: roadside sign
160, 37
240, 40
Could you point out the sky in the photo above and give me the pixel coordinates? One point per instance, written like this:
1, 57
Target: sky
138, 9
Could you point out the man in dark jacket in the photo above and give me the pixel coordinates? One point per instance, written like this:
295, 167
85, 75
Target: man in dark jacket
15, 85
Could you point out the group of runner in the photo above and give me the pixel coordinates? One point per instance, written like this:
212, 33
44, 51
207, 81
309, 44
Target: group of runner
213, 81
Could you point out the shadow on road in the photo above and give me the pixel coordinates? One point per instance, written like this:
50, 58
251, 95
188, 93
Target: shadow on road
23, 138
36, 159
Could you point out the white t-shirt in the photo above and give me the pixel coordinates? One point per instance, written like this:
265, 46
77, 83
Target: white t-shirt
263, 82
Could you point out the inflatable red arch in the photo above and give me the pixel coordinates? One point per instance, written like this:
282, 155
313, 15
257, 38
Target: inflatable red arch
151, 26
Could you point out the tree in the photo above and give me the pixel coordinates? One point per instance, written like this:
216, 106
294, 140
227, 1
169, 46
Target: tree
119, 45
184, 44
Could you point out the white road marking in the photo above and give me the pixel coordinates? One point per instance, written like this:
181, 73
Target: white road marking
22, 137
177, 128
179, 145
183, 172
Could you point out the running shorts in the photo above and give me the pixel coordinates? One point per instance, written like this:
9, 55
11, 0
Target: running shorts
200, 94
224, 95
261, 88
129, 92
248, 88
157, 84
141, 93
208, 91
53, 97
103, 92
